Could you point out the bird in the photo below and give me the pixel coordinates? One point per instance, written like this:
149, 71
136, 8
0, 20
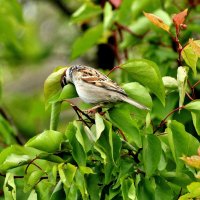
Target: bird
93, 87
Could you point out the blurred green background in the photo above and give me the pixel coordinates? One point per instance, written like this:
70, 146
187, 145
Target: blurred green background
35, 38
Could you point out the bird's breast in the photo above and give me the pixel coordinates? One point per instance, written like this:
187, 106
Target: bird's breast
92, 94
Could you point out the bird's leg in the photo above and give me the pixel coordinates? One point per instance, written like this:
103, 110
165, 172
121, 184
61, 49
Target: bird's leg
93, 110
78, 111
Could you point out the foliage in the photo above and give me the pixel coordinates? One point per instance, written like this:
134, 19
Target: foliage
122, 152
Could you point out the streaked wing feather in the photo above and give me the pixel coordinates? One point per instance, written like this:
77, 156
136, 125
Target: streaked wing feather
92, 76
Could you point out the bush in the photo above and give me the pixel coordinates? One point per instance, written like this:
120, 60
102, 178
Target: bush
124, 153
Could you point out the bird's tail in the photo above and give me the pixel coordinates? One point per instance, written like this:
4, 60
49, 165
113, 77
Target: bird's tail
134, 103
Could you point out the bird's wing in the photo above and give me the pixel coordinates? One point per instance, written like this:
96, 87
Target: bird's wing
94, 77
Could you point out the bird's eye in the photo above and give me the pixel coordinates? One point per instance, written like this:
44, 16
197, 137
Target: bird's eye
64, 81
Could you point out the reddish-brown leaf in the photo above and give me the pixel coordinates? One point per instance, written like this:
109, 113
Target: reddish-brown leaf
116, 3
179, 18
157, 21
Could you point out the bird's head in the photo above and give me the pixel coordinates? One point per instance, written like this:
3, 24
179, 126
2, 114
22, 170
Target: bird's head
66, 77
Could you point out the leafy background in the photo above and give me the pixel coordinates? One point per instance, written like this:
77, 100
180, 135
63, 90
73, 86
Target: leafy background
150, 49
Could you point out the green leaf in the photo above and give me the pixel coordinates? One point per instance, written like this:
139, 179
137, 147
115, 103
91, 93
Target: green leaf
182, 76
82, 137
151, 153
53, 176
31, 179
72, 193
50, 157
147, 73
67, 173
90, 135
15, 156
145, 190
48, 141
93, 188
108, 16
44, 189
162, 189
78, 152
195, 44
9, 187
128, 189
190, 54
86, 170
13, 161
58, 192
105, 144
52, 86
196, 120
85, 42
122, 15
7, 132
177, 178
193, 106
33, 195
81, 184
13, 149
119, 115
170, 84
68, 92
87, 11
126, 166
181, 142
99, 125
138, 93
109, 146
194, 191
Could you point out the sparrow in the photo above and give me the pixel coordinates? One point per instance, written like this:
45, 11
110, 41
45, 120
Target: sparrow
96, 88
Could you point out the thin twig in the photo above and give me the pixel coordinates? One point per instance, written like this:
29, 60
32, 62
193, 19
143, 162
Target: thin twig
192, 89
122, 134
197, 83
113, 69
125, 28
189, 96
164, 120
32, 162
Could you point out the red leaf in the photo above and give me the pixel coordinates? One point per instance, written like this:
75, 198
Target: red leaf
179, 18
116, 3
